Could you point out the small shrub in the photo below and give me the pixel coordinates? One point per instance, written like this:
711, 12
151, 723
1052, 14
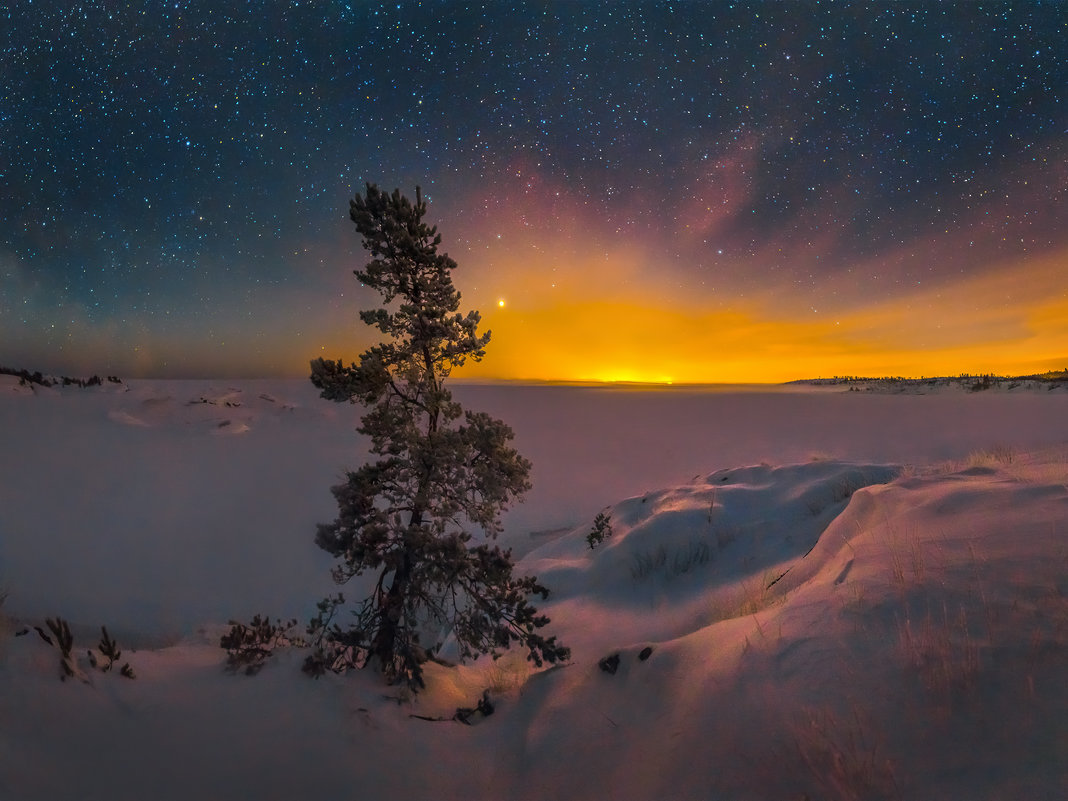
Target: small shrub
483, 709
609, 664
602, 529
64, 641
60, 629
109, 648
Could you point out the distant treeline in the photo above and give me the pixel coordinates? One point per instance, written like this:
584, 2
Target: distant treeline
974, 382
37, 377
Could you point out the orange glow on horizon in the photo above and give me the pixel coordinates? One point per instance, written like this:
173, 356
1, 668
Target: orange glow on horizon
1011, 321
599, 318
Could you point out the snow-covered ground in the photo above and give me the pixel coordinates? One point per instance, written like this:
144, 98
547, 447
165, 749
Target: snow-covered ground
845, 596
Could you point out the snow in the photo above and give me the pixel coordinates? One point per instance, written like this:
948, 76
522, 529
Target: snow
847, 595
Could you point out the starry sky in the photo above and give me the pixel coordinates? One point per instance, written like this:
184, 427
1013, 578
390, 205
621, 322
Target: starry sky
685, 192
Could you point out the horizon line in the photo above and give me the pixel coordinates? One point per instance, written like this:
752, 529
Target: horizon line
568, 382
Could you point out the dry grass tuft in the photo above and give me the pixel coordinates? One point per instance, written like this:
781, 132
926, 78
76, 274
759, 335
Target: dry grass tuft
751, 595
696, 553
942, 649
507, 673
843, 757
994, 456
907, 561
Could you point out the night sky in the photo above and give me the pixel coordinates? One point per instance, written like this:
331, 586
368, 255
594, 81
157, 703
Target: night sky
697, 191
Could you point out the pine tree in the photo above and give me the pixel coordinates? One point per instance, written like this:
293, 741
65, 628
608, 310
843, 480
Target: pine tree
423, 515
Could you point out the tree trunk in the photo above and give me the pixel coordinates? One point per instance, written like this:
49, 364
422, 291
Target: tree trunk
391, 610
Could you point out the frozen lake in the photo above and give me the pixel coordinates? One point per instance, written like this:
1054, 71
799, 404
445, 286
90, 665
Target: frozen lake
170, 475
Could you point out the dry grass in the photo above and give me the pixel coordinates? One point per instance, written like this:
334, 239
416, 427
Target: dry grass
755, 595
749, 597
907, 561
994, 456
509, 672
843, 490
941, 644
942, 648
696, 553
955, 633
843, 757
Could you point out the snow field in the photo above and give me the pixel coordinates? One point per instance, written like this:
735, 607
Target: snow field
887, 620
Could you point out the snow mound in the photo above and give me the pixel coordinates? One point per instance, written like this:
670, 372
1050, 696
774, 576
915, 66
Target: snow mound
125, 418
9, 384
678, 559
207, 407
927, 609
